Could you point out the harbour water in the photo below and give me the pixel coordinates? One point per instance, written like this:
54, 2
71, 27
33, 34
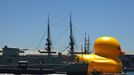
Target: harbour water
128, 73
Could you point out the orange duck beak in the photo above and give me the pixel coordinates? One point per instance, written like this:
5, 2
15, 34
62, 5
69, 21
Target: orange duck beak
122, 52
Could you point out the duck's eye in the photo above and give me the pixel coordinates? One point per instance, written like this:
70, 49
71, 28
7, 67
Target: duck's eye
119, 48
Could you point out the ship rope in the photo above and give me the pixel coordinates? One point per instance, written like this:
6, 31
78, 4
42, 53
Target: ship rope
61, 20
60, 36
65, 49
31, 40
42, 38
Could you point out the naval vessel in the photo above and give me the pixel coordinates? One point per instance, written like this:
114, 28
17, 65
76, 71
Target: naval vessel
18, 61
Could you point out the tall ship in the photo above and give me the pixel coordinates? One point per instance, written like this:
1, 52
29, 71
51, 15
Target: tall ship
17, 61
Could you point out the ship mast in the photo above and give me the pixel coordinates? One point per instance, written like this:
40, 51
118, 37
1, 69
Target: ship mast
71, 39
87, 44
48, 44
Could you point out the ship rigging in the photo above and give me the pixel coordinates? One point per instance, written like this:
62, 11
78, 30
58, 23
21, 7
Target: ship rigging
49, 42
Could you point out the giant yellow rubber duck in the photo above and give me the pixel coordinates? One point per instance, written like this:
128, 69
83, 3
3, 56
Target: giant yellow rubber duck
105, 57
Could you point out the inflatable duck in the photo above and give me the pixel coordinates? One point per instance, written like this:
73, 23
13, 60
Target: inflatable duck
105, 57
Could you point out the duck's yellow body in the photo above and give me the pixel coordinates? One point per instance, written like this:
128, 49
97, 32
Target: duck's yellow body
105, 57
105, 65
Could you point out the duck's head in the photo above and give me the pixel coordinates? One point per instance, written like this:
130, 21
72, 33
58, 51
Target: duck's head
108, 47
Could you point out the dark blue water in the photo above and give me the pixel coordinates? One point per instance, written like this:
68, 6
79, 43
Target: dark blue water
128, 73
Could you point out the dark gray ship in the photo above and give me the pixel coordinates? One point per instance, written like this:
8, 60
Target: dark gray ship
18, 61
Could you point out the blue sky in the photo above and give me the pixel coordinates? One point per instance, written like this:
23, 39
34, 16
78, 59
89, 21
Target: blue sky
23, 22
